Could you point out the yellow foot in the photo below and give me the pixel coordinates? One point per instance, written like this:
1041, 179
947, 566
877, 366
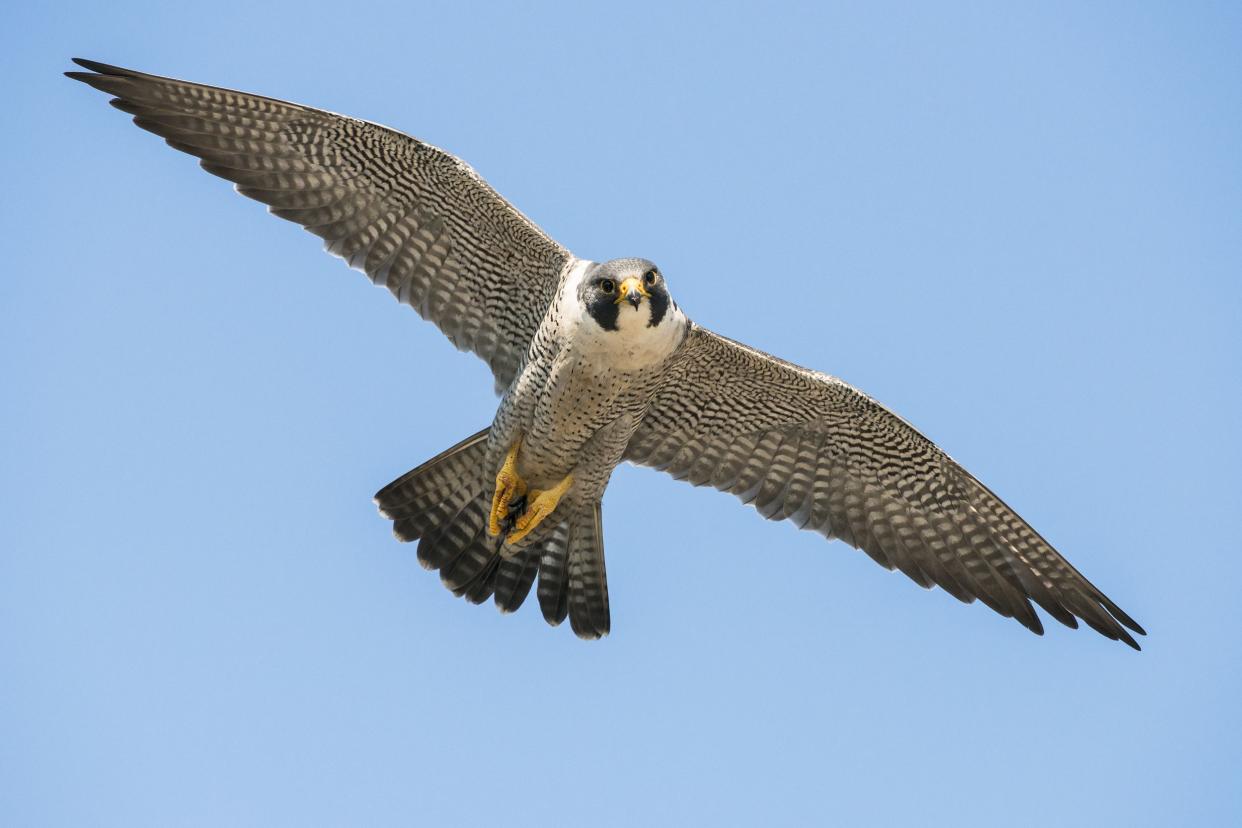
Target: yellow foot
540, 504
508, 487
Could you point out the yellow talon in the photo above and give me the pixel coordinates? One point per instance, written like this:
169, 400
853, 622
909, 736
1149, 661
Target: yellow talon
508, 487
540, 505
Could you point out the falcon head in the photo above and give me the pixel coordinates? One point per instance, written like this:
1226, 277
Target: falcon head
625, 295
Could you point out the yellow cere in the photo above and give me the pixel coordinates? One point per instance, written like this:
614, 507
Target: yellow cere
633, 283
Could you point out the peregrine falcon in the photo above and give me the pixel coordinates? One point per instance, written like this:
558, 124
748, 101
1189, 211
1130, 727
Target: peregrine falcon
596, 364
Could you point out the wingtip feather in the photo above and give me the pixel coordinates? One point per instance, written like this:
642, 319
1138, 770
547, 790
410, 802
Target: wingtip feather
102, 68
89, 78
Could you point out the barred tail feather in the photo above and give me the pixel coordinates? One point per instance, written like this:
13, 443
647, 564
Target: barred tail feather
588, 582
572, 581
413, 493
514, 578
443, 504
553, 588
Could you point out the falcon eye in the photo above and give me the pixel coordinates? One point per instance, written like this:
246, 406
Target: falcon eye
607, 285
649, 278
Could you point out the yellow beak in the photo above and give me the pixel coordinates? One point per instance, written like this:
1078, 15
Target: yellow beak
633, 290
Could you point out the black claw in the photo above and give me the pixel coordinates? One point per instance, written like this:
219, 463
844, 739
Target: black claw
517, 507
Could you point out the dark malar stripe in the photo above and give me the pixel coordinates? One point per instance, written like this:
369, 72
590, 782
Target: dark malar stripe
659, 304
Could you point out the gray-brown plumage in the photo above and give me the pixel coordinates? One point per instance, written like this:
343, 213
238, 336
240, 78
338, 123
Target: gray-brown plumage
805, 447
597, 365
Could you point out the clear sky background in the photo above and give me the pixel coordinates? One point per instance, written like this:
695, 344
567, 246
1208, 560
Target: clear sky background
1021, 228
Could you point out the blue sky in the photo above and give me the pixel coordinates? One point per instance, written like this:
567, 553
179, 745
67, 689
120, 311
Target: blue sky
1018, 227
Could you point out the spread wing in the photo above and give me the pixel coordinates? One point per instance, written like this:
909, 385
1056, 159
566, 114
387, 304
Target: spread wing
412, 217
805, 447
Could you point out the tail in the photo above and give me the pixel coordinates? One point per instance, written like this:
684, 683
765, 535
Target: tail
444, 505
572, 578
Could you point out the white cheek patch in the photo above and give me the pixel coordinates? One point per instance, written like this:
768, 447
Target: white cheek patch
573, 280
569, 308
